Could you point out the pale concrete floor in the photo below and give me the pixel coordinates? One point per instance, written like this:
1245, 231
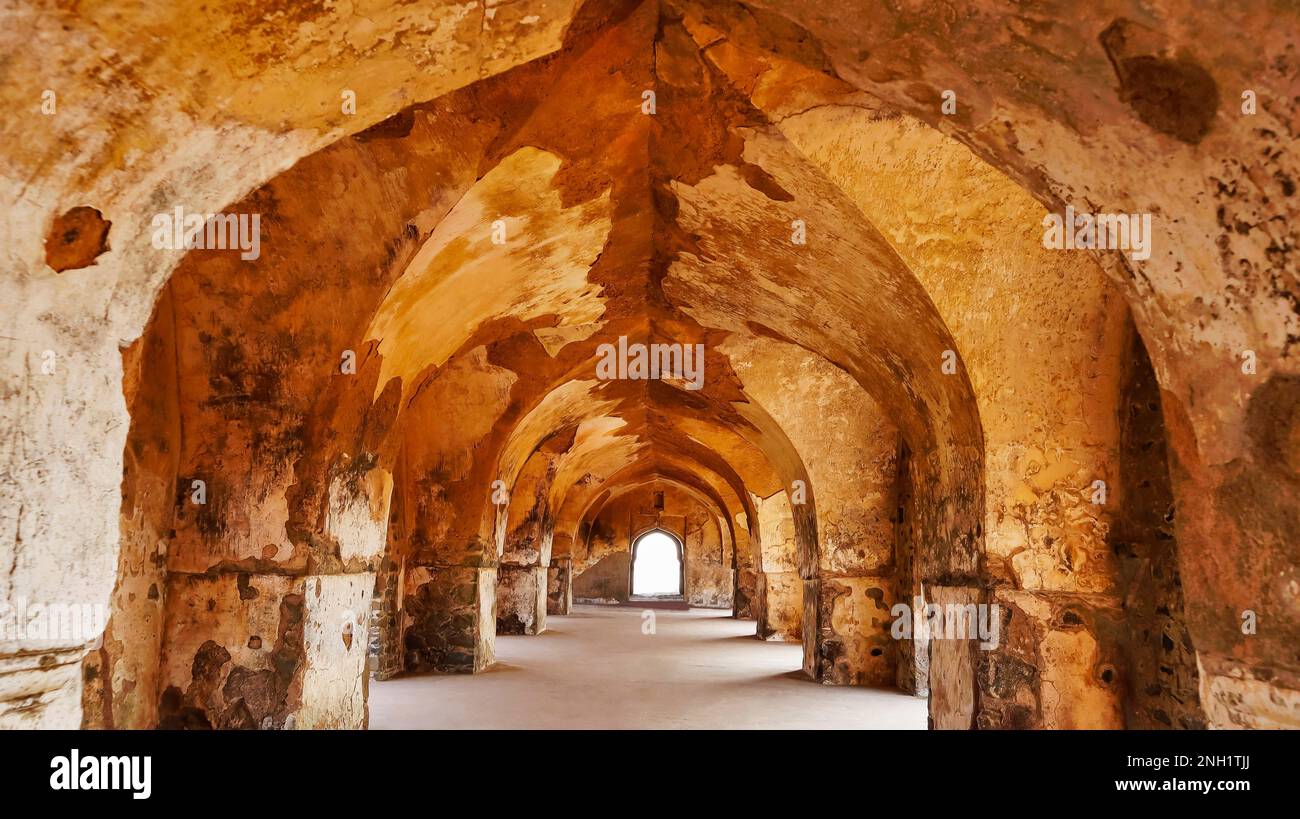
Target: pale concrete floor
595, 669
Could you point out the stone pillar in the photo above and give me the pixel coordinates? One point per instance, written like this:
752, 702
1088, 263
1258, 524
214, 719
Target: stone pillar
953, 666
849, 589
521, 599
559, 586
846, 630
1053, 660
334, 679
1057, 663
385, 649
265, 651
779, 601
746, 596
449, 618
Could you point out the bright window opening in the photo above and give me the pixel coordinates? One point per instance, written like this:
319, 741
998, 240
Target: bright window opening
657, 570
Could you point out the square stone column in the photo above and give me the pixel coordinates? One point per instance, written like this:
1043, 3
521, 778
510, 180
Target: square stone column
559, 586
250, 650
384, 652
1054, 660
521, 599
746, 595
846, 624
449, 618
1058, 662
779, 604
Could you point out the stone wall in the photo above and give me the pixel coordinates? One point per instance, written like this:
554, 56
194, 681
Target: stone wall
449, 619
603, 566
800, 204
121, 676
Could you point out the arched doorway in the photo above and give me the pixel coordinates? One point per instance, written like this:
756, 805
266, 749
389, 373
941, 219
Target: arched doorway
658, 570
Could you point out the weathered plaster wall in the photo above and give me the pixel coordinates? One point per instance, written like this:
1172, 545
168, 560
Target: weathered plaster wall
672, 227
602, 569
849, 447
1087, 106
156, 109
121, 677
1043, 447
229, 664
846, 630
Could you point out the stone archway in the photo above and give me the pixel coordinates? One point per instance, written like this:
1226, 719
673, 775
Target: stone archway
309, 478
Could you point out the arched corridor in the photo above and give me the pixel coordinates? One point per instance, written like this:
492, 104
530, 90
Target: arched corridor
951, 352
597, 669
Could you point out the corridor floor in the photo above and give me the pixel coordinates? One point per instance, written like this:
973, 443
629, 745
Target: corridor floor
596, 669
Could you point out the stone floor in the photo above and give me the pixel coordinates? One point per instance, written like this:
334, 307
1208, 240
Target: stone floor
596, 669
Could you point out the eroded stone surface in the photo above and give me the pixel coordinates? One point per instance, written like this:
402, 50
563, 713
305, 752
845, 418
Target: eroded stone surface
388, 433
